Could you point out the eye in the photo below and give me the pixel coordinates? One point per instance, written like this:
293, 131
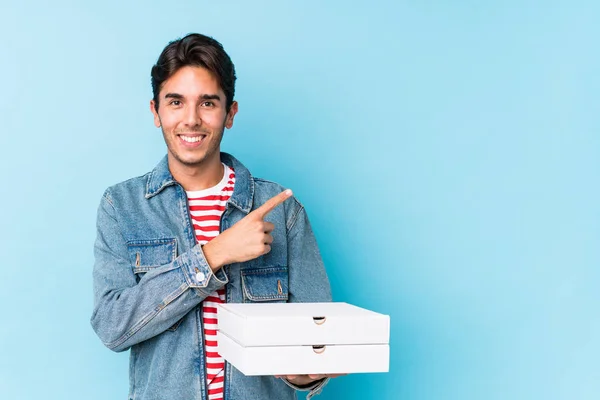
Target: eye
175, 103
208, 104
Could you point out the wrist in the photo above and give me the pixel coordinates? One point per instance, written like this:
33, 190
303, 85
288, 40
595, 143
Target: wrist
213, 256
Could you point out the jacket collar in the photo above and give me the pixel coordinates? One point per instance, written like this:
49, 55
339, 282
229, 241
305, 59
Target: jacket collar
243, 193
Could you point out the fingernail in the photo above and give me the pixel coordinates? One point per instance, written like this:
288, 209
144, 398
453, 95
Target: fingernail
288, 192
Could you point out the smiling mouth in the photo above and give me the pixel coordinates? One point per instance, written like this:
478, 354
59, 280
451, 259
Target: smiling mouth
192, 139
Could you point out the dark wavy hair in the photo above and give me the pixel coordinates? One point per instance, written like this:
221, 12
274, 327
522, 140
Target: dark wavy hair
198, 51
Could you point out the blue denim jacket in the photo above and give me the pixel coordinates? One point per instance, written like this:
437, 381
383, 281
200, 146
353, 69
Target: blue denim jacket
150, 277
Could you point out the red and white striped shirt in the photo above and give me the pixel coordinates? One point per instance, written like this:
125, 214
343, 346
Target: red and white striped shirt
206, 208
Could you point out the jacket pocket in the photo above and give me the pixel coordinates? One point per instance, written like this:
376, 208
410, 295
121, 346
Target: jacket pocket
145, 255
266, 284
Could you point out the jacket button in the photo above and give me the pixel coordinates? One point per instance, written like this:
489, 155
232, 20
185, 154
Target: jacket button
200, 276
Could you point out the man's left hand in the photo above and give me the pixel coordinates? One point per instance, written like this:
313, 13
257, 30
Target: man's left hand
304, 380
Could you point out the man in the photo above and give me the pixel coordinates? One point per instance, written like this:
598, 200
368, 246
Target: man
196, 231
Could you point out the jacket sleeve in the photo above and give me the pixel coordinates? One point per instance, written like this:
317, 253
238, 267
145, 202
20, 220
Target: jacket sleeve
308, 281
128, 311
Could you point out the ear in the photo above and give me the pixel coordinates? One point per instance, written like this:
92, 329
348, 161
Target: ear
231, 114
155, 113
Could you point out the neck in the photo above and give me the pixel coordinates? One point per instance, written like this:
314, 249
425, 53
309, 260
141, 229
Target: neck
199, 176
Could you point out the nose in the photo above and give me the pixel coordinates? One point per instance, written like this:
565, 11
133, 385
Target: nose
192, 117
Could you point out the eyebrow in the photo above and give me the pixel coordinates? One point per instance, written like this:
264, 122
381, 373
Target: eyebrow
173, 96
202, 97
210, 97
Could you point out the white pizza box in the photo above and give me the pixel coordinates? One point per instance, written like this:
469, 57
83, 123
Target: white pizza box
294, 324
303, 338
302, 360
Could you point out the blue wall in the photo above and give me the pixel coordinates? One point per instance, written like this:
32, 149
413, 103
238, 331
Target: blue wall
447, 153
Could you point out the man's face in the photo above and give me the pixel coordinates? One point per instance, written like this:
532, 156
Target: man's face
192, 115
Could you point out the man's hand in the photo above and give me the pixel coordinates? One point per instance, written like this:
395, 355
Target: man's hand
303, 380
248, 239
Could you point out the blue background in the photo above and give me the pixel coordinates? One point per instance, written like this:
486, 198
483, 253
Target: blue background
447, 153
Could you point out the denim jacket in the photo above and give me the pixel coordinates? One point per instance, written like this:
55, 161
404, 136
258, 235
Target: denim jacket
150, 277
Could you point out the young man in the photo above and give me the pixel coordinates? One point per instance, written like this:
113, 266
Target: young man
196, 231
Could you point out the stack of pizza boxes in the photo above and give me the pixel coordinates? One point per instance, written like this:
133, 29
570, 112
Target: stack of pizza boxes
303, 338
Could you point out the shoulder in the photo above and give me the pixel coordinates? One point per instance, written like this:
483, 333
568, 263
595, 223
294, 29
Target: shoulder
265, 189
133, 187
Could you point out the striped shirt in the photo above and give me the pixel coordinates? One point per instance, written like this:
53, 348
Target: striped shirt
206, 208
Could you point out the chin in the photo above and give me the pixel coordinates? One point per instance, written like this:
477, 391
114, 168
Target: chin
193, 161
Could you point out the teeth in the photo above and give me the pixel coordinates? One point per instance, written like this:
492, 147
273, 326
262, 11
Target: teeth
192, 139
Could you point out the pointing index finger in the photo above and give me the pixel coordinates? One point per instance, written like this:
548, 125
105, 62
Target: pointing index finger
273, 202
